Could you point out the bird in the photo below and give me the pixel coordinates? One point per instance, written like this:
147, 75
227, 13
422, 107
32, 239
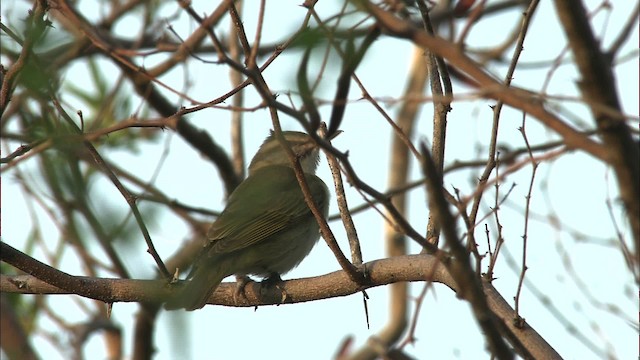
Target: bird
266, 228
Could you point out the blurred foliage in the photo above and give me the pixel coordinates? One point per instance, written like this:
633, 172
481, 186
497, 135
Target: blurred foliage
61, 180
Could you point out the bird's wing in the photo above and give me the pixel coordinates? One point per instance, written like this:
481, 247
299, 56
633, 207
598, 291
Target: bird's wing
272, 209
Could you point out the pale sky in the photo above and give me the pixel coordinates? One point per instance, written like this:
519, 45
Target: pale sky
573, 188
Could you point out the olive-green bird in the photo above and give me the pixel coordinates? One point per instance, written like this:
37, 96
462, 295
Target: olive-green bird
267, 228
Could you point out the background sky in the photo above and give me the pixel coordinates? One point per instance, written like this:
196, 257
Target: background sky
573, 188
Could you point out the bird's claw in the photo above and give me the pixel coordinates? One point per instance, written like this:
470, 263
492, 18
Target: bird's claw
276, 280
241, 283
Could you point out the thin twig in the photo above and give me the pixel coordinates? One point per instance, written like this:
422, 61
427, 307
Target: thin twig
534, 168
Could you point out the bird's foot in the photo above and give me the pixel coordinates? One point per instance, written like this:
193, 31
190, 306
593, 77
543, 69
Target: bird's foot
241, 283
275, 280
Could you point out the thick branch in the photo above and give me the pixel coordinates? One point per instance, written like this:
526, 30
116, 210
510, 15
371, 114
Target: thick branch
598, 87
381, 272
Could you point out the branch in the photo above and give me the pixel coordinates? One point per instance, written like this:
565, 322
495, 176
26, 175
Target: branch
47, 280
598, 87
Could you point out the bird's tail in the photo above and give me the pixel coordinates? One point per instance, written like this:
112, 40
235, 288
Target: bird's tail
196, 292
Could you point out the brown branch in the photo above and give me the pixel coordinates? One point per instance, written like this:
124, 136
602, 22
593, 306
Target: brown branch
66, 283
47, 280
194, 41
442, 92
344, 213
525, 235
598, 86
625, 33
237, 144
